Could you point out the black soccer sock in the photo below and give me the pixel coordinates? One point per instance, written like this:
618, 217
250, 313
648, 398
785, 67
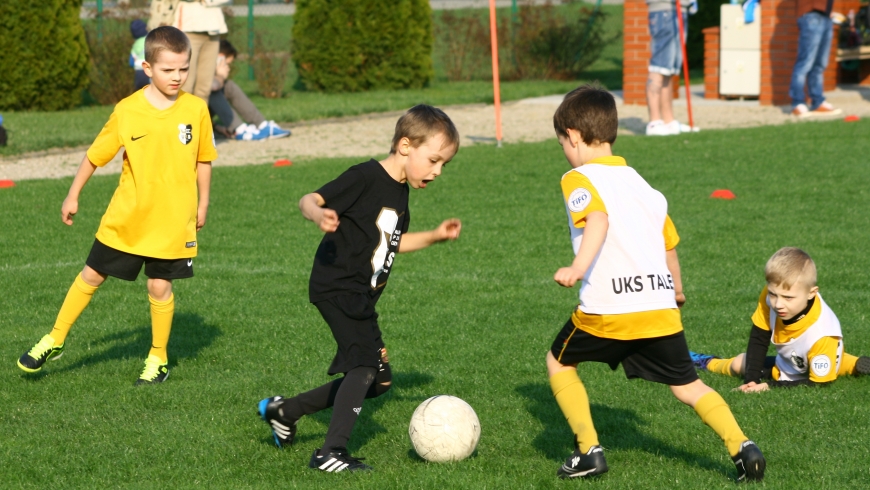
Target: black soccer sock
323, 396
348, 404
311, 401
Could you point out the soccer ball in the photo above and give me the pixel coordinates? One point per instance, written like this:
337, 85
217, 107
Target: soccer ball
444, 428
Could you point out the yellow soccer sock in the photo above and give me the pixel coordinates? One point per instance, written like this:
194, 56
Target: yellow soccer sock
847, 365
77, 298
161, 325
715, 413
720, 366
572, 399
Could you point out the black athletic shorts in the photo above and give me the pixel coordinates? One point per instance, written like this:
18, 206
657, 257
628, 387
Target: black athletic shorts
354, 324
106, 260
660, 359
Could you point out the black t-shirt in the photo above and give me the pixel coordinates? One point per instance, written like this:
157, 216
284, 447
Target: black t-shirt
373, 213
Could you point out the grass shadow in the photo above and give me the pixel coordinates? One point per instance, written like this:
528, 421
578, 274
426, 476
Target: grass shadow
618, 428
190, 335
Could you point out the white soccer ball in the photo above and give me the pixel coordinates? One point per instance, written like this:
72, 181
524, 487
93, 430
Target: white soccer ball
444, 428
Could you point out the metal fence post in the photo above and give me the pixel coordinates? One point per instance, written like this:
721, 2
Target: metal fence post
100, 20
250, 39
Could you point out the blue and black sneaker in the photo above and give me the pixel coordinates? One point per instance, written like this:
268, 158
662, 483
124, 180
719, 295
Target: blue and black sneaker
283, 430
701, 360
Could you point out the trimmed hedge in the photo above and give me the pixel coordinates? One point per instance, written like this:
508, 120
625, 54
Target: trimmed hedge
44, 55
357, 45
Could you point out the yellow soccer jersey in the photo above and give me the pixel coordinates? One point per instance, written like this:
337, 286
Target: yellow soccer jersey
625, 326
153, 210
782, 333
577, 186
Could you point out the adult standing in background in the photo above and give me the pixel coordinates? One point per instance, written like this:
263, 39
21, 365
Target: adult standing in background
203, 22
665, 63
814, 46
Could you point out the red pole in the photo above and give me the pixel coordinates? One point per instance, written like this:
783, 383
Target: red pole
495, 82
685, 64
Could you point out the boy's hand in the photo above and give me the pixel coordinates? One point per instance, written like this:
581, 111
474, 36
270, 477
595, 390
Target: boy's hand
68, 209
200, 217
328, 221
568, 276
448, 230
753, 387
681, 299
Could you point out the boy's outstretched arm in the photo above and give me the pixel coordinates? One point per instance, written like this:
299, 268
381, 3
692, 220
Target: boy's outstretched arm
70, 205
203, 185
448, 230
674, 268
593, 238
312, 209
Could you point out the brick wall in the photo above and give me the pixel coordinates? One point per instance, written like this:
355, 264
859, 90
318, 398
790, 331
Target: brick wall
711, 62
635, 51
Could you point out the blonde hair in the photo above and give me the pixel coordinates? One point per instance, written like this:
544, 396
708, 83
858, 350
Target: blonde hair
790, 265
165, 38
420, 123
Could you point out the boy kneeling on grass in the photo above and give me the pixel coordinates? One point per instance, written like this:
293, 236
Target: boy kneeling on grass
154, 215
626, 258
364, 213
806, 333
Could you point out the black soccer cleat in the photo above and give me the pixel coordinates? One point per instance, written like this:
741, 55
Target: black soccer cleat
283, 430
337, 460
155, 371
862, 366
584, 465
44, 350
750, 462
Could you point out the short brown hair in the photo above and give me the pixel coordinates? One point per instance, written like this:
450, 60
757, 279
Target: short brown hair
591, 110
165, 38
788, 266
420, 123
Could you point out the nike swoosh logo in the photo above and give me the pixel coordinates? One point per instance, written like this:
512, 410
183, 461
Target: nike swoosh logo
134, 138
189, 263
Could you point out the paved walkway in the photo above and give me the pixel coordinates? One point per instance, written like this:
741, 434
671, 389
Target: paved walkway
527, 120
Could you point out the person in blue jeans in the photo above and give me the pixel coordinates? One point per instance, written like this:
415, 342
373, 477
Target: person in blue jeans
814, 46
666, 61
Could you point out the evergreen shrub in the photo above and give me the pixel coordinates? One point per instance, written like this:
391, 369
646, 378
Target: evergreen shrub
43, 55
357, 45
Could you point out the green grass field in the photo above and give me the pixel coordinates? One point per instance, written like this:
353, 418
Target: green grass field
473, 318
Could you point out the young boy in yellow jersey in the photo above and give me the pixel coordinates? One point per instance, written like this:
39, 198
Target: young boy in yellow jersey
154, 215
792, 315
631, 288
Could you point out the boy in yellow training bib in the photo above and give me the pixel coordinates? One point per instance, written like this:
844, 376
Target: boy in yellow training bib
154, 214
791, 315
626, 260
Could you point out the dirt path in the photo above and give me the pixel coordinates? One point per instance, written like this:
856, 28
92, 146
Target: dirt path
527, 120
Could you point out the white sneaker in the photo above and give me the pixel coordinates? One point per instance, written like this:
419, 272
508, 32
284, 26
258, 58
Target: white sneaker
673, 127
685, 128
801, 110
826, 109
657, 128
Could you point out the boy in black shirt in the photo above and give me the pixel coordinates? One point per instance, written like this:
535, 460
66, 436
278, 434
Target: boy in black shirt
364, 213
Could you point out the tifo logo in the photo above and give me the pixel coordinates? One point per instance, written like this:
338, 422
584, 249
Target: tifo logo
357, 410
185, 133
189, 244
579, 199
821, 365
